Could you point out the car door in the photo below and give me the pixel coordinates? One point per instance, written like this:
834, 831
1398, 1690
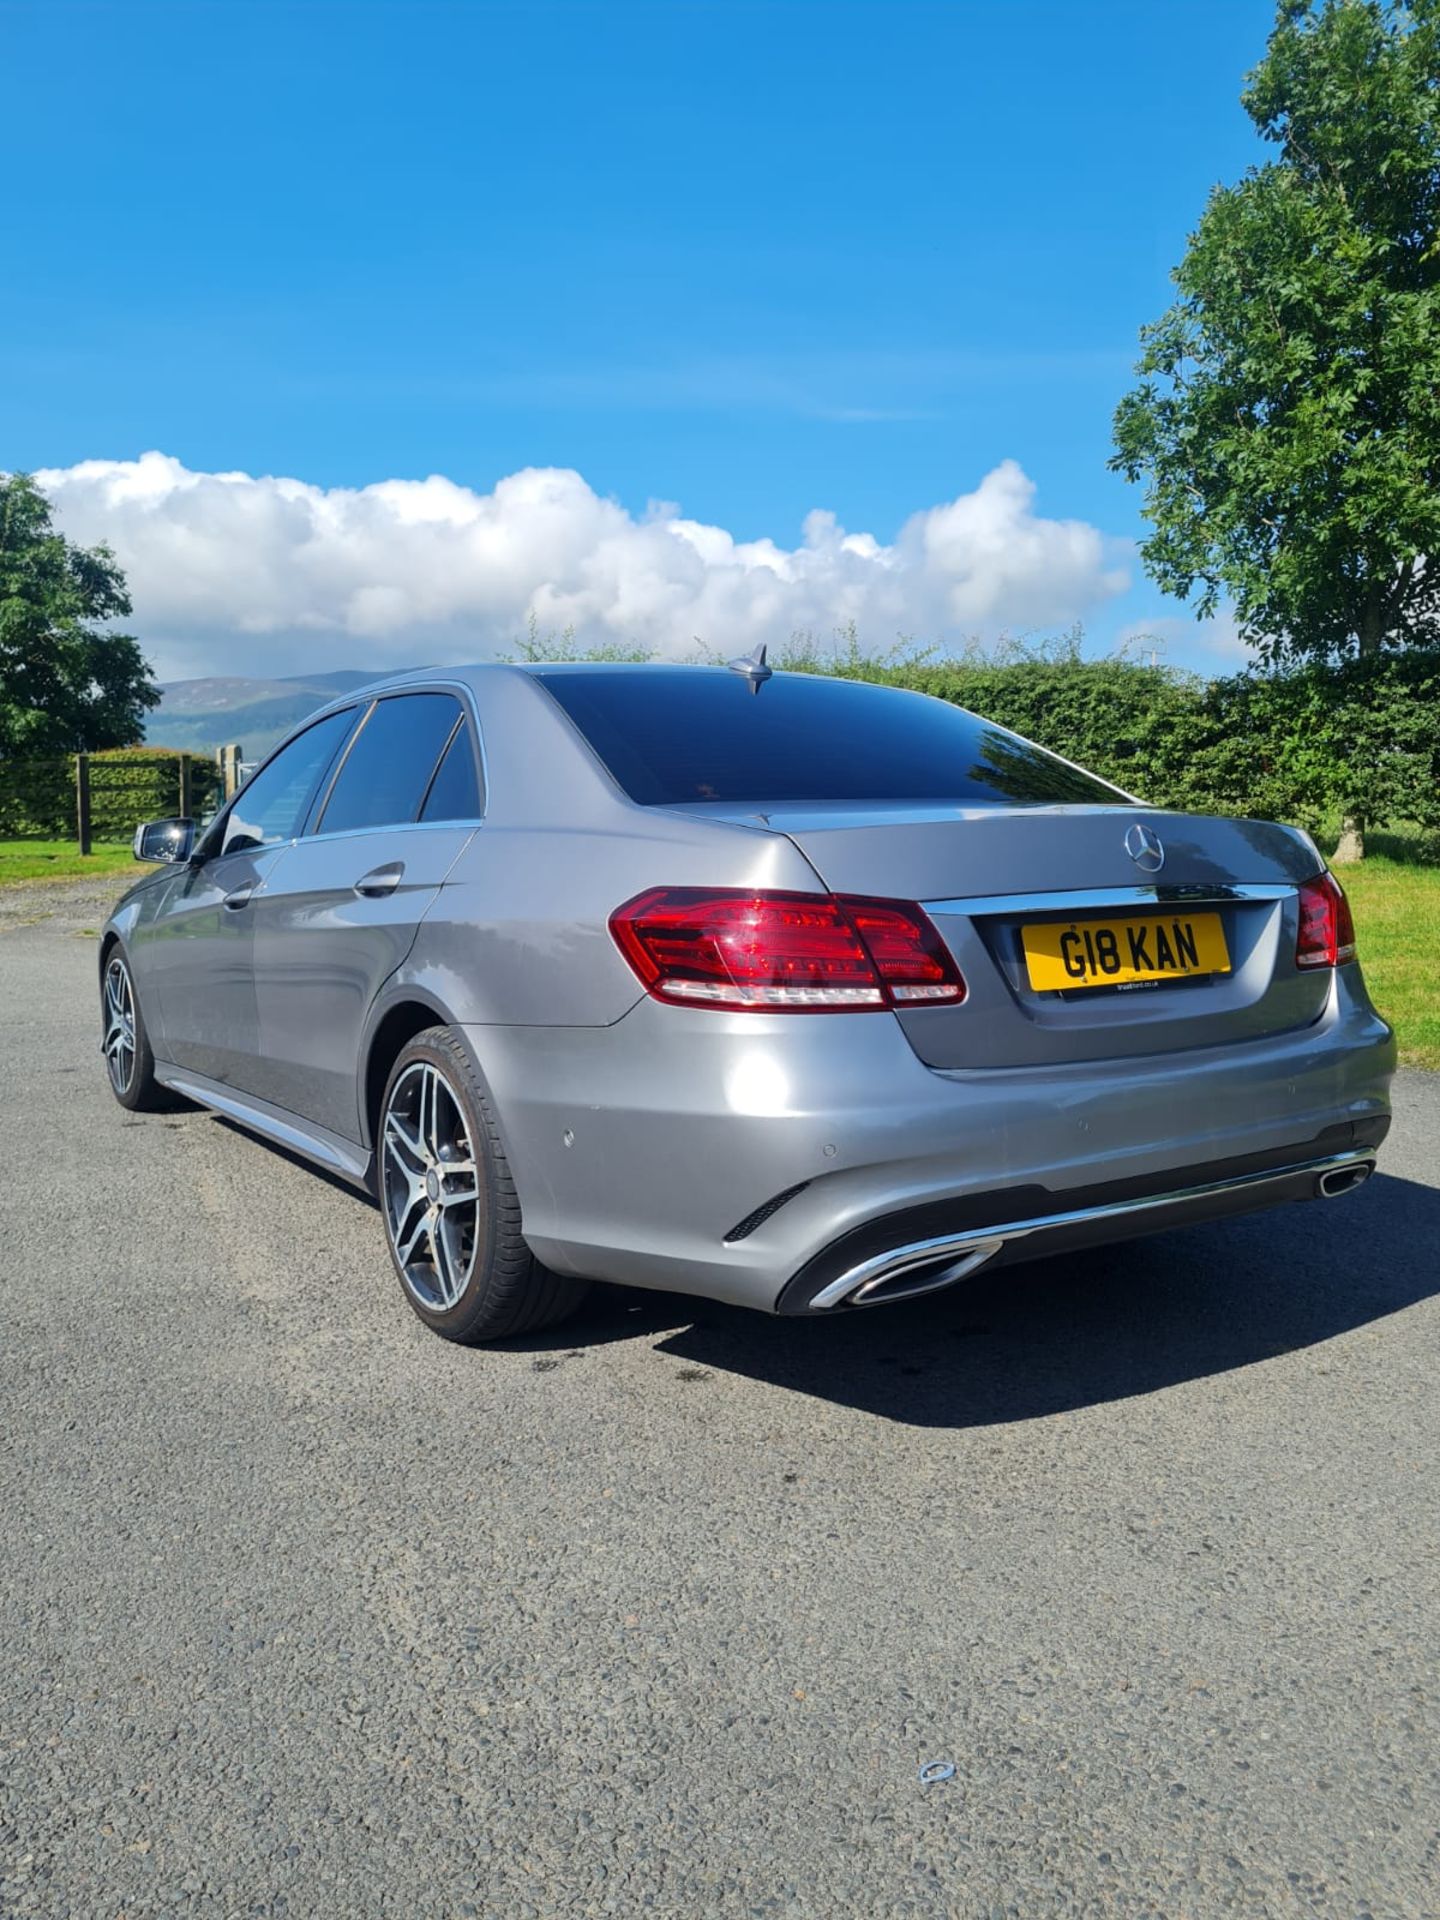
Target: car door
342, 912
199, 950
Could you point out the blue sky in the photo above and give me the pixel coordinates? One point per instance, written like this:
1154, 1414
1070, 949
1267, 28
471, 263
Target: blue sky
751, 259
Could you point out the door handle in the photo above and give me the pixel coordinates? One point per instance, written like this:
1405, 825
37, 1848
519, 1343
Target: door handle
240, 897
380, 880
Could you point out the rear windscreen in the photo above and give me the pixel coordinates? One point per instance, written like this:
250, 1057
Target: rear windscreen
671, 735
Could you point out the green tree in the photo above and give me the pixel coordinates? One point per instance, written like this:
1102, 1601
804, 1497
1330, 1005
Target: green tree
67, 683
1287, 420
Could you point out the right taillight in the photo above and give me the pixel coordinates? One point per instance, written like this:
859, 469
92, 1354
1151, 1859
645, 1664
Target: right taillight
770, 952
1327, 932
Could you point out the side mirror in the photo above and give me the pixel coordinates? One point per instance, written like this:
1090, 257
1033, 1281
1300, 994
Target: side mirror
164, 840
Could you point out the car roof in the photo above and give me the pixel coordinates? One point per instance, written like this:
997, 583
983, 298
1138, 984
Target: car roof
471, 672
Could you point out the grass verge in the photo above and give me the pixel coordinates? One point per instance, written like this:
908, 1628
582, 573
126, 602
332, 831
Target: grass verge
1396, 903
24, 861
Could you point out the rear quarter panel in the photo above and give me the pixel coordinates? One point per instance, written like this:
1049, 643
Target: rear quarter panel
519, 934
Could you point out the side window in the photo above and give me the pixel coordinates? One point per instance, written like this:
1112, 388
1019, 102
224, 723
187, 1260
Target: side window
271, 806
388, 769
454, 792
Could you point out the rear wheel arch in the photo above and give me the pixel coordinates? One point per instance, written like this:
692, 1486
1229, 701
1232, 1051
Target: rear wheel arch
392, 1032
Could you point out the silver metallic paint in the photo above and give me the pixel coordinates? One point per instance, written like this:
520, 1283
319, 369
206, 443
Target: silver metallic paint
684, 1121
639, 1133
323, 949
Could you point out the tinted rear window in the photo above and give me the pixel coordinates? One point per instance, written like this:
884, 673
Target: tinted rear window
454, 792
676, 734
386, 773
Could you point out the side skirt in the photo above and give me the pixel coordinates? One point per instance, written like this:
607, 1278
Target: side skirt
326, 1149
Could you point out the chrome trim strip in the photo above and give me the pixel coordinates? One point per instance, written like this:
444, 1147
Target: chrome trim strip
987, 1241
403, 826
1158, 894
327, 1149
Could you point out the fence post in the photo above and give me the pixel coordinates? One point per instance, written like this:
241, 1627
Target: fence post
185, 786
82, 800
229, 758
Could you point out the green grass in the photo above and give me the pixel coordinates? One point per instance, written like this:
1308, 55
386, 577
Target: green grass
1396, 902
24, 861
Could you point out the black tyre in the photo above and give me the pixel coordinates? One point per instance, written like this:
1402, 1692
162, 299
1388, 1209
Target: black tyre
124, 1041
452, 1216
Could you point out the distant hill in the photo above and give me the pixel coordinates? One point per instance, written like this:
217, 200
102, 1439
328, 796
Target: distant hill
200, 715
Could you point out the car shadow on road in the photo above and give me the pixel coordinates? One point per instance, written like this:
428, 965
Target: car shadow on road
1070, 1332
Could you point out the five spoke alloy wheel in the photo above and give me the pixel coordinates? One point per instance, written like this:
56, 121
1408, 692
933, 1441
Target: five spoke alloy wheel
119, 1041
452, 1215
430, 1187
124, 1042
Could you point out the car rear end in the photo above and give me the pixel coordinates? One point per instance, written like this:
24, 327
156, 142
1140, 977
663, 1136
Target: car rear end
1015, 1012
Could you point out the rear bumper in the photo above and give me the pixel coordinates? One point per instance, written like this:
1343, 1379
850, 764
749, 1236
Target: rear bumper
653, 1152
901, 1255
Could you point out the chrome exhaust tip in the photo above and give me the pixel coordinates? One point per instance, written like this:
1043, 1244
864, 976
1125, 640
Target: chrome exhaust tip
1345, 1179
902, 1279
906, 1272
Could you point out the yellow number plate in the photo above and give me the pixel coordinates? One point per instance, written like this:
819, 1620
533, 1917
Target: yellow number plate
1116, 953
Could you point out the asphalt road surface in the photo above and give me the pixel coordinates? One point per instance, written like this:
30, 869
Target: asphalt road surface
306, 1613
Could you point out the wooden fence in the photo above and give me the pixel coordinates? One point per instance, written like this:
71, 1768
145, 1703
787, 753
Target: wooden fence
105, 796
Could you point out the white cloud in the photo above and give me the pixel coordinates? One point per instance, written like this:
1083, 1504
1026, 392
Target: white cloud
236, 573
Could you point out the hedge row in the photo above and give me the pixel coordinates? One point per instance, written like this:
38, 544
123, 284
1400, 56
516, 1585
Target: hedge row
1304, 746
37, 798
127, 785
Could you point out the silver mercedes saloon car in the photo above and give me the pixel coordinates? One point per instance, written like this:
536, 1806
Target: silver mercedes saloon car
785, 990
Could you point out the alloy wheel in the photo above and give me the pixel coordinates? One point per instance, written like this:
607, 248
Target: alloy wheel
118, 1045
430, 1186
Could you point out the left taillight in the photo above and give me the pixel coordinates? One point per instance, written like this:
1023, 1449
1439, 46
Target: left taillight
1327, 932
768, 952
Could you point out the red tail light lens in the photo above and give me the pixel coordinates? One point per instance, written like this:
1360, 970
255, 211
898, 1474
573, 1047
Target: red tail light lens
911, 959
1327, 932
787, 952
